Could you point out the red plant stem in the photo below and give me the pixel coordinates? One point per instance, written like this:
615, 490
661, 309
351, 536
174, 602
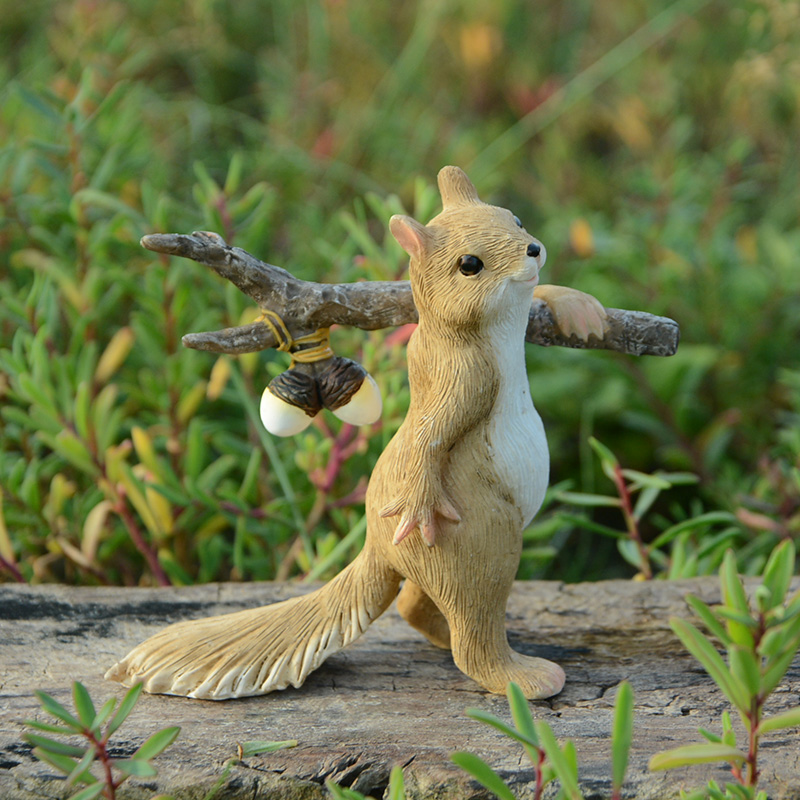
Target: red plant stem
141, 545
539, 788
630, 521
12, 568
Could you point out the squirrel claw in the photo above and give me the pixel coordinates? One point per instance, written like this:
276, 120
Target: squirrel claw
427, 526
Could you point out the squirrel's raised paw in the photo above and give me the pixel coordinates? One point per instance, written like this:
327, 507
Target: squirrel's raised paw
576, 313
425, 519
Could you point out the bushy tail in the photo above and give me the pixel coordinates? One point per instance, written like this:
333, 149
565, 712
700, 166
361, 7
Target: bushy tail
263, 649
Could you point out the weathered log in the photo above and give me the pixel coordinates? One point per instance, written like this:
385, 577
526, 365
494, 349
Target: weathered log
390, 698
306, 306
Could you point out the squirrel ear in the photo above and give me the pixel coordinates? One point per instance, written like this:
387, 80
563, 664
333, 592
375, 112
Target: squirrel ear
410, 234
456, 188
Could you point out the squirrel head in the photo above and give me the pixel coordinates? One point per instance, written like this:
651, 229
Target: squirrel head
471, 261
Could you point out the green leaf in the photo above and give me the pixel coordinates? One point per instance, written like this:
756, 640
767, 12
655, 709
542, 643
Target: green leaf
83, 704
744, 666
482, 773
711, 737
630, 551
397, 790
643, 480
256, 748
495, 722
521, 714
708, 618
55, 709
603, 452
709, 518
562, 765
786, 719
776, 669
44, 726
81, 771
53, 746
734, 597
745, 620
64, 764
583, 499
622, 734
104, 713
645, 501
341, 793
125, 708
157, 743
695, 754
135, 766
82, 398
702, 649
779, 571
90, 792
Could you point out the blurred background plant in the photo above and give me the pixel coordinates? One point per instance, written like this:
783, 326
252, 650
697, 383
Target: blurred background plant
652, 148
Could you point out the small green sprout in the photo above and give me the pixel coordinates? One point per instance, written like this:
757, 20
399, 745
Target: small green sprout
96, 727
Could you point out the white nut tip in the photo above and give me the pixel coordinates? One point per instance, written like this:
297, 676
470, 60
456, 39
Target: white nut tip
280, 418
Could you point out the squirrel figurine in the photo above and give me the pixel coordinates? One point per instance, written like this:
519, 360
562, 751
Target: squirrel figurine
449, 496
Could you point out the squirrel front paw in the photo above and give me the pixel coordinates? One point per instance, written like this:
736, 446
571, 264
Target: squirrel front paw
576, 313
420, 514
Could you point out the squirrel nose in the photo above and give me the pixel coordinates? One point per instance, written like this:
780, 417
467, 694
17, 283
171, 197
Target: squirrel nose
534, 249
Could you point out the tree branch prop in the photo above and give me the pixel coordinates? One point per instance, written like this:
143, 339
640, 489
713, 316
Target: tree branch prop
306, 306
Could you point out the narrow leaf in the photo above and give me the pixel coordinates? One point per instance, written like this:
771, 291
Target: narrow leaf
695, 754
622, 734
81, 772
397, 790
560, 763
256, 748
776, 670
603, 452
135, 766
55, 709
706, 654
734, 597
52, 746
495, 722
708, 618
482, 773
786, 719
157, 743
779, 571
744, 666
125, 708
90, 792
584, 499
47, 728
521, 713
83, 704
104, 713
64, 764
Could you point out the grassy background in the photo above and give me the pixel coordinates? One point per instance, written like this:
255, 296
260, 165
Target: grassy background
653, 148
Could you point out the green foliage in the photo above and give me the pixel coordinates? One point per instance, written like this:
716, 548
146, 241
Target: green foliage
687, 548
652, 149
761, 638
96, 727
551, 761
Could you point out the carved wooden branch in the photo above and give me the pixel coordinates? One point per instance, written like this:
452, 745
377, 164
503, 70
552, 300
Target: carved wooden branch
306, 306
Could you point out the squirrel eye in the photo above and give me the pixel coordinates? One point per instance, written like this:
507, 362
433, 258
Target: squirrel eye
518, 221
470, 265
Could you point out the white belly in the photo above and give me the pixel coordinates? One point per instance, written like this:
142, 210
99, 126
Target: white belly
516, 434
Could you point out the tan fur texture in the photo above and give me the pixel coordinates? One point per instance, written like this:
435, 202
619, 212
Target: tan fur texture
449, 496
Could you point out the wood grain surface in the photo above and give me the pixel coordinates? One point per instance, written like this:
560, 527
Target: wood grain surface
391, 698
